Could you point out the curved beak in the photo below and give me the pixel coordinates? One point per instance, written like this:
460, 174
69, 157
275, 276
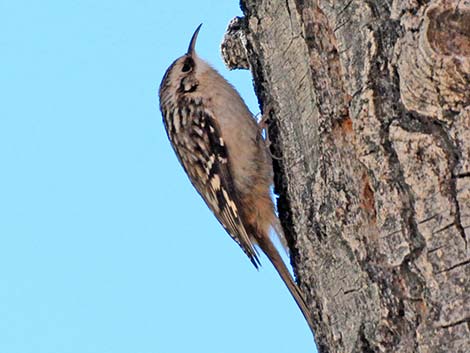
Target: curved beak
192, 43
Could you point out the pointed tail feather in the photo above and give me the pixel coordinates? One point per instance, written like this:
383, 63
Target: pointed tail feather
272, 253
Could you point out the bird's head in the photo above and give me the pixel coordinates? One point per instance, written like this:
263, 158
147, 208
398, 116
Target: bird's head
182, 76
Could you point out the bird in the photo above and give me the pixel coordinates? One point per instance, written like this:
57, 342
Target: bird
220, 145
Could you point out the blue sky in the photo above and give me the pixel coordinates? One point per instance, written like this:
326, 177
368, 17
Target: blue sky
104, 244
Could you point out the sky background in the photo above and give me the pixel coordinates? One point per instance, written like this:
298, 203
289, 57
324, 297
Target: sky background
104, 244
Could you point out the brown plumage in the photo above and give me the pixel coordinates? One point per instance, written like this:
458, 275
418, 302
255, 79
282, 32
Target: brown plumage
220, 146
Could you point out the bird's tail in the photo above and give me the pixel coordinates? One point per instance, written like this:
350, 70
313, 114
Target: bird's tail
272, 253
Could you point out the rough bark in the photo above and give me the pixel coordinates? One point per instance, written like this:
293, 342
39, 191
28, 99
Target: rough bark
369, 117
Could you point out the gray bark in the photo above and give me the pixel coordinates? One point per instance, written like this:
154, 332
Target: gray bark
369, 116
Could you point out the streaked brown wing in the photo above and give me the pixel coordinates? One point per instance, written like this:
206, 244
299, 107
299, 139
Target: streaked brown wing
197, 141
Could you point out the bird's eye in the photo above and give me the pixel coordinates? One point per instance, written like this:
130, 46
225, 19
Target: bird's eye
188, 65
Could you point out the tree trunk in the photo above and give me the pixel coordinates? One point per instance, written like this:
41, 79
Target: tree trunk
369, 122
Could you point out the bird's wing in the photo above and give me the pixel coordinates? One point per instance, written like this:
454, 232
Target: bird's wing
205, 159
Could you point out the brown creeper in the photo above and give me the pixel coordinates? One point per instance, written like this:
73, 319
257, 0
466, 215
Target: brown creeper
219, 145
